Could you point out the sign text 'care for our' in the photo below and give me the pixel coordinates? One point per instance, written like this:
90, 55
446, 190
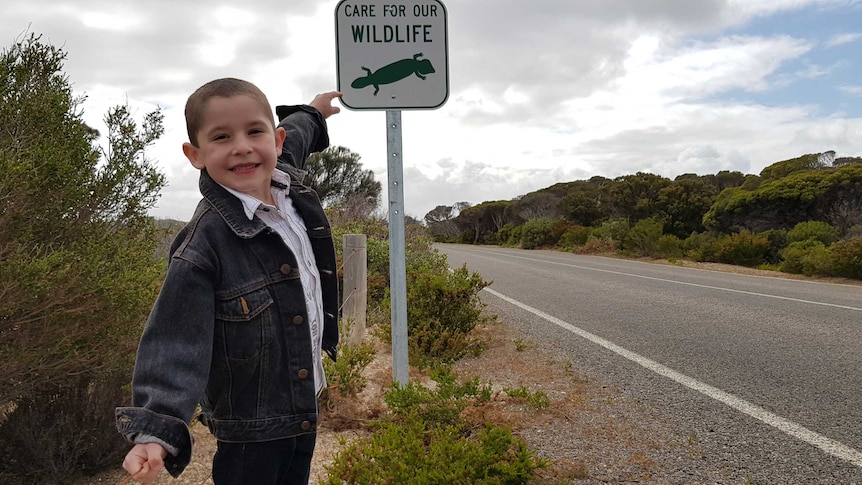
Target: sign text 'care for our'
398, 33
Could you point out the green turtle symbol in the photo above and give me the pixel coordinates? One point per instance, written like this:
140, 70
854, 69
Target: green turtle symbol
394, 72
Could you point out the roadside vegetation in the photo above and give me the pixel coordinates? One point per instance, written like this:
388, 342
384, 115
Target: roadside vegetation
801, 216
424, 435
79, 268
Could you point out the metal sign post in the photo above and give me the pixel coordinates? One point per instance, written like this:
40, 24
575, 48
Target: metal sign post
393, 55
397, 250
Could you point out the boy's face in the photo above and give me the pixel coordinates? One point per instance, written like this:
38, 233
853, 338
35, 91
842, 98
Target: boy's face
237, 145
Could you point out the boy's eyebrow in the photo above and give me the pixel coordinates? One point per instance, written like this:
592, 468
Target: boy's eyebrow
216, 128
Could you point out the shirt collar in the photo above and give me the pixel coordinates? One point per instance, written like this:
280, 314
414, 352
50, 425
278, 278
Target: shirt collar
250, 205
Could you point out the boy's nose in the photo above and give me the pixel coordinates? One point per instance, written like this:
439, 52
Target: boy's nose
242, 145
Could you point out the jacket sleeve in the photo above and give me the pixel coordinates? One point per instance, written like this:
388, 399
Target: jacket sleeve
173, 362
306, 134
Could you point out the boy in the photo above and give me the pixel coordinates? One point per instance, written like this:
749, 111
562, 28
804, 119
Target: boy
248, 303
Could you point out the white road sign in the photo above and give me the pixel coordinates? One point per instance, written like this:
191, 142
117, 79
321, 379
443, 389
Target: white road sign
392, 55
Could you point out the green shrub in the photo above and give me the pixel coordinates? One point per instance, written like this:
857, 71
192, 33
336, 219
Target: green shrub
441, 406
510, 235
613, 230
643, 237
813, 230
426, 442
60, 432
847, 258
595, 245
416, 453
743, 248
701, 246
537, 400
345, 374
668, 246
443, 307
809, 257
539, 232
78, 268
575, 236
777, 242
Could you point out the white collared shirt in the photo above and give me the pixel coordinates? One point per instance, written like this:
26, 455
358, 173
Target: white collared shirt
286, 221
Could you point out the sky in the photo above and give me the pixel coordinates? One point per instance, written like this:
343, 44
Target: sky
539, 92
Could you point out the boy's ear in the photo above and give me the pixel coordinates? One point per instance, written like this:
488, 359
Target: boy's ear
193, 154
280, 135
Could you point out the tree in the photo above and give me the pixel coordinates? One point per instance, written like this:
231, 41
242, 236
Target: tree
634, 196
483, 221
536, 205
440, 222
79, 270
682, 204
580, 204
833, 195
812, 161
339, 180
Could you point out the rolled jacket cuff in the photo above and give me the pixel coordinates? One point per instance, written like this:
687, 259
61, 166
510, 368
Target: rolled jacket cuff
322, 141
132, 421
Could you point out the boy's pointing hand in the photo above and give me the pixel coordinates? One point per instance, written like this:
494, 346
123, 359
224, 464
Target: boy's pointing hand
323, 103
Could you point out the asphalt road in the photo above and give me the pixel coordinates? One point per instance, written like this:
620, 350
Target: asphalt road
765, 373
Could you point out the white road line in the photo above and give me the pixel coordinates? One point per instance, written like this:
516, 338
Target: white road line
731, 290
828, 445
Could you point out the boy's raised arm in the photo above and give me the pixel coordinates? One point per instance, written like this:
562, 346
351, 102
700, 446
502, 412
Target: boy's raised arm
305, 128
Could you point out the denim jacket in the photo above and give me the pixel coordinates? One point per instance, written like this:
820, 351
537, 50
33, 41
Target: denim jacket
229, 329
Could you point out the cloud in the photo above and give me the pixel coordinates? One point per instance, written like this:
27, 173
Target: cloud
842, 39
541, 92
852, 90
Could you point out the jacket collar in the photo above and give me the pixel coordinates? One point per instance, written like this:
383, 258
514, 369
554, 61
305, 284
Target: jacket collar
229, 208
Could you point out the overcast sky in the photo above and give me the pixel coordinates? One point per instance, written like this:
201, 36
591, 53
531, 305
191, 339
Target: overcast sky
540, 91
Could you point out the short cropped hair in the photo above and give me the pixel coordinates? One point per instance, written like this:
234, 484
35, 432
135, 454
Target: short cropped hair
225, 88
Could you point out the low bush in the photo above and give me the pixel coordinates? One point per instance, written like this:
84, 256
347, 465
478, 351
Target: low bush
847, 258
595, 245
60, 432
509, 235
642, 238
537, 399
416, 453
539, 232
743, 248
813, 230
345, 375
809, 257
426, 442
613, 229
574, 237
442, 309
668, 246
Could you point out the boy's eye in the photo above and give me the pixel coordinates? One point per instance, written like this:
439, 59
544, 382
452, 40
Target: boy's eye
255, 131
220, 137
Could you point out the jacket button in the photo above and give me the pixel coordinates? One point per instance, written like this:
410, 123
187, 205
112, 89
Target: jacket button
302, 374
297, 320
285, 269
305, 425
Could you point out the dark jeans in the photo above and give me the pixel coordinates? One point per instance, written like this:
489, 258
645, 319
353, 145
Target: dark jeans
280, 462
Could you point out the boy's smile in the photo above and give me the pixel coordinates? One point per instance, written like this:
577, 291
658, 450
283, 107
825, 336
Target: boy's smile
238, 145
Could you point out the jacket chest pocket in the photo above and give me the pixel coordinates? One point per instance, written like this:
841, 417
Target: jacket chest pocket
244, 324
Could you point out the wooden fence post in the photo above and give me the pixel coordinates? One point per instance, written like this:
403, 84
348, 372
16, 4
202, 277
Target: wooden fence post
355, 291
